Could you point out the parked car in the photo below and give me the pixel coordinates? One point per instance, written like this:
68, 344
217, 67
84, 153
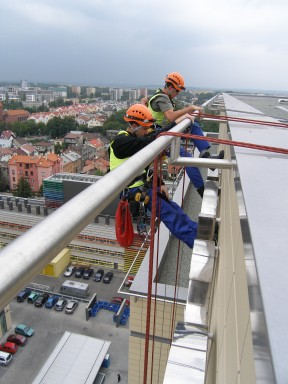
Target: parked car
5, 358
41, 300
24, 330
79, 272
52, 300
99, 274
69, 271
88, 272
33, 297
119, 300
22, 296
17, 339
71, 306
107, 277
9, 347
129, 281
60, 305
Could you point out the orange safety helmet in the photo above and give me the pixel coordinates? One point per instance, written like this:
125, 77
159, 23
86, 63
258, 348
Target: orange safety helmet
176, 79
140, 114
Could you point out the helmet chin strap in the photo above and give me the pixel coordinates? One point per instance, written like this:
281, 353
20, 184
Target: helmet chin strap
134, 130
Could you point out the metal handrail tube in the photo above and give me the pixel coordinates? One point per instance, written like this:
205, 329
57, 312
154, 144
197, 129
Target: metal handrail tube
203, 162
26, 256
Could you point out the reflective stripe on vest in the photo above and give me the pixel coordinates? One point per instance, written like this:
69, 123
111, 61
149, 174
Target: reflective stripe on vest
115, 162
158, 116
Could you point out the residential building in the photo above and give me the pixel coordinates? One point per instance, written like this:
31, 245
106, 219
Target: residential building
92, 166
59, 92
116, 93
72, 162
11, 116
134, 94
76, 91
5, 153
4, 143
44, 147
73, 138
8, 135
33, 168
144, 92
29, 150
24, 84
86, 151
90, 91
91, 121
19, 141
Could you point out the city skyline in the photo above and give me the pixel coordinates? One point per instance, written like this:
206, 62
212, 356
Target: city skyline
145, 86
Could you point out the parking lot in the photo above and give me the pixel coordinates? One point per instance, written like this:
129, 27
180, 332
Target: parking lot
49, 326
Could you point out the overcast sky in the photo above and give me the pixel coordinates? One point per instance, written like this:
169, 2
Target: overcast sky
234, 44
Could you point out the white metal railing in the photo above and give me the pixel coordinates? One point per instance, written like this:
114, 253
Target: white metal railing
27, 255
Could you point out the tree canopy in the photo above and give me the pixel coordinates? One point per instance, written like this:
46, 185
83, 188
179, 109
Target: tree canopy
23, 189
116, 121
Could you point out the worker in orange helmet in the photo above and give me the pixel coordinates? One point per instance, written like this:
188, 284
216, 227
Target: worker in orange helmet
128, 143
163, 109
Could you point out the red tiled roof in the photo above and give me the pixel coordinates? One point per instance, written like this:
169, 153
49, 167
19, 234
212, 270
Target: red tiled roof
17, 112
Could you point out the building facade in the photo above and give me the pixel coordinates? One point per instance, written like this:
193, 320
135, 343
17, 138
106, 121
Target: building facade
34, 169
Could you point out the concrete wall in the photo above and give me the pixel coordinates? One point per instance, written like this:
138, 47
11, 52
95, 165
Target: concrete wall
159, 348
5, 321
230, 358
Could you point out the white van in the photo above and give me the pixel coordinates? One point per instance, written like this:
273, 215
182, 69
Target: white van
5, 358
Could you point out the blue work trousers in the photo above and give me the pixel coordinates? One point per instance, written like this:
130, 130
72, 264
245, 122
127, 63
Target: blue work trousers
194, 173
201, 145
173, 216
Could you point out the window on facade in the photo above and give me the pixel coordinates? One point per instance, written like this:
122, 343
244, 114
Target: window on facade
26, 173
31, 173
20, 164
13, 172
21, 172
13, 179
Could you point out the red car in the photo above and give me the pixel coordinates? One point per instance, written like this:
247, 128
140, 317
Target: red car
9, 347
17, 339
118, 300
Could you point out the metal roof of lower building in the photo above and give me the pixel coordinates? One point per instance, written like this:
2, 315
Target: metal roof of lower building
76, 359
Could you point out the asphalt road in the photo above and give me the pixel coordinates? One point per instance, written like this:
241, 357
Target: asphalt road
50, 325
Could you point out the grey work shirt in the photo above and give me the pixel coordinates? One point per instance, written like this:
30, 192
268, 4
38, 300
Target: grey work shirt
162, 103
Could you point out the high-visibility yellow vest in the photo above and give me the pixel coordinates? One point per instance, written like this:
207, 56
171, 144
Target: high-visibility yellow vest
159, 116
115, 162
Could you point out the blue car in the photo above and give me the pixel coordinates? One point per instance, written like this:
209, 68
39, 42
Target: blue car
51, 301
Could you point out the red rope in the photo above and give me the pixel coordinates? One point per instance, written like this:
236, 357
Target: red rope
243, 120
228, 142
158, 162
150, 273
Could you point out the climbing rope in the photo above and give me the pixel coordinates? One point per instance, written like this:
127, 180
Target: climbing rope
227, 142
243, 120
